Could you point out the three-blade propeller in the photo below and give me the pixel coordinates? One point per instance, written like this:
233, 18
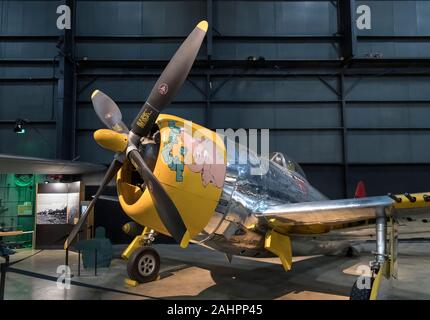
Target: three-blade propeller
164, 90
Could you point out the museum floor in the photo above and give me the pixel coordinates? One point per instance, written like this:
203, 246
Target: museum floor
199, 273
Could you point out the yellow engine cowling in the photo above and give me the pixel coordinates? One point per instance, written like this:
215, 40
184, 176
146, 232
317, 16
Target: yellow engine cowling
195, 189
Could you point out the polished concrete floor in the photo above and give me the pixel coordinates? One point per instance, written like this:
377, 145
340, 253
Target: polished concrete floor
200, 273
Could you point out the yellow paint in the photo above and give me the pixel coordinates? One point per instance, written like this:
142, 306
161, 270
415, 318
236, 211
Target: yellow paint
143, 119
94, 93
280, 245
185, 240
111, 140
135, 244
377, 282
318, 228
203, 25
131, 283
285, 228
310, 229
406, 204
195, 202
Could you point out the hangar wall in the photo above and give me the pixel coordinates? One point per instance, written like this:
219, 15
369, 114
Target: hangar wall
348, 104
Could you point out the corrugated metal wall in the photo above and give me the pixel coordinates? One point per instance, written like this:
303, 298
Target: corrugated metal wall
345, 119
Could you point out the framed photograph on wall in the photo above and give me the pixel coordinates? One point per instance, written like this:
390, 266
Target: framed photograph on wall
58, 203
51, 203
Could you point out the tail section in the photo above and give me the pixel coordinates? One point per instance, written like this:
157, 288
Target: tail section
360, 190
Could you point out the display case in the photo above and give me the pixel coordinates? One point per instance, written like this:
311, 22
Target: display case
17, 198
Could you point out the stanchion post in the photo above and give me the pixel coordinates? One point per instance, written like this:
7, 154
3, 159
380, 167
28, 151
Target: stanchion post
79, 263
95, 262
67, 257
3, 268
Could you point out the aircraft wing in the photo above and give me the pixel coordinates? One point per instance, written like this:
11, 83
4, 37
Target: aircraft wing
108, 198
327, 211
342, 213
30, 165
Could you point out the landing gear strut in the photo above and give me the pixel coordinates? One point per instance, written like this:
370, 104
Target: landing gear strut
366, 287
143, 261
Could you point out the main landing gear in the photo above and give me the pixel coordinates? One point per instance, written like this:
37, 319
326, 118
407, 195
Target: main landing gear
143, 261
385, 263
143, 265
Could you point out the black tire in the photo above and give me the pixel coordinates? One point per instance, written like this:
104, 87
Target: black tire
361, 294
143, 265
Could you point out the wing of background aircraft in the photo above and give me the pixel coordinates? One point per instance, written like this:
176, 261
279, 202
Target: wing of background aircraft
30, 165
109, 198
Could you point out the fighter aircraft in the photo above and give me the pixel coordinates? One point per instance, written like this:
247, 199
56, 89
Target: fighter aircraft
222, 204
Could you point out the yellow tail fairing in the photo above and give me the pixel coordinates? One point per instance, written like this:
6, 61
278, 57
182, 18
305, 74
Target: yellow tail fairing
194, 188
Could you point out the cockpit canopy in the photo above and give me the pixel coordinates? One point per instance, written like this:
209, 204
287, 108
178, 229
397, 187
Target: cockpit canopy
286, 162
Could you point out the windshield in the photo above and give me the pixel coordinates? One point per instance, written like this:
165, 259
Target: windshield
287, 162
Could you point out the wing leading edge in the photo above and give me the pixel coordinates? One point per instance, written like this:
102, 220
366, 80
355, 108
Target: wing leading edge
342, 212
327, 212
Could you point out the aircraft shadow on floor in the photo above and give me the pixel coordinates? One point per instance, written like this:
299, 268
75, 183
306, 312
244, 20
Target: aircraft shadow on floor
269, 281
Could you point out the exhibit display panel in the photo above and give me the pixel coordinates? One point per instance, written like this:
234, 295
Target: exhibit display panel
58, 203
57, 210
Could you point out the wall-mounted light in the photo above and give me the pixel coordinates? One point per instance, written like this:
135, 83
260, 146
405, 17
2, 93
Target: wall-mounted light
19, 126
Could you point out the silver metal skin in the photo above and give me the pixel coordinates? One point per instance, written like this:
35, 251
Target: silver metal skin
381, 236
133, 141
247, 202
235, 228
327, 211
329, 205
149, 238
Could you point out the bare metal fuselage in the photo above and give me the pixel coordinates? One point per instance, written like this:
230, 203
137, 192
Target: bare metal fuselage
235, 229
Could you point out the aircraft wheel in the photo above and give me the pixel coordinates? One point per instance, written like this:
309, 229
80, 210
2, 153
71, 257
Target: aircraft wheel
143, 265
361, 294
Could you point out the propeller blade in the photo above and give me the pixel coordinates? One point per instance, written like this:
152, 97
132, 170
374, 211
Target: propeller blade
108, 111
170, 81
164, 205
111, 172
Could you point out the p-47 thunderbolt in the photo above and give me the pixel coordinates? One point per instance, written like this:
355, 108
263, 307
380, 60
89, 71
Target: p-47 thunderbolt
175, 178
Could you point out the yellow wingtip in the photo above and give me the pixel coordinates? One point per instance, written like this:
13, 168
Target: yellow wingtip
203, 25
94, 94
185, 240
